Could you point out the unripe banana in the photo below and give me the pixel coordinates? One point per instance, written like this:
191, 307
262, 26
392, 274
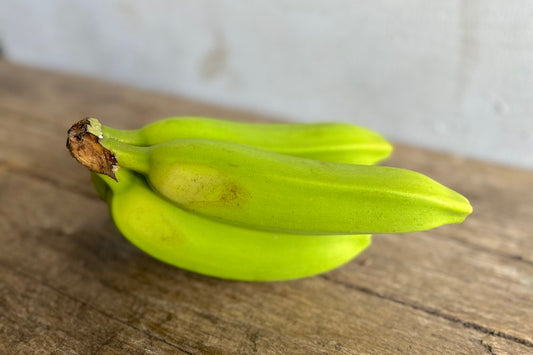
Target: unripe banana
209, 247
257, 188
336, 142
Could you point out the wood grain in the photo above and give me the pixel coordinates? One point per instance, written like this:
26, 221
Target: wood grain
69, 282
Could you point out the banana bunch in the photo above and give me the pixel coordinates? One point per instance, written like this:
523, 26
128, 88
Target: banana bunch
256, 202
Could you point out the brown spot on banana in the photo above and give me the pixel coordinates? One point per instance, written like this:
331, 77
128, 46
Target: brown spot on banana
200, 185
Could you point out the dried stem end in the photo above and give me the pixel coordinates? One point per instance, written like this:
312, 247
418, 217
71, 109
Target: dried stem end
83, 144
94, 127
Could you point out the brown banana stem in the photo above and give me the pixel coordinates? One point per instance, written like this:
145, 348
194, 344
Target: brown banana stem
87, 150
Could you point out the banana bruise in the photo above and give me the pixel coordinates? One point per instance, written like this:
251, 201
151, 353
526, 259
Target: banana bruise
256, 188
336, 142
209, 247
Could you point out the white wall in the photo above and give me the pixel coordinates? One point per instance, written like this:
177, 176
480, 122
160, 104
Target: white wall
451, 75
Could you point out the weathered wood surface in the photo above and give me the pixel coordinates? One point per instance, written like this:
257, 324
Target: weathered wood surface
69, 283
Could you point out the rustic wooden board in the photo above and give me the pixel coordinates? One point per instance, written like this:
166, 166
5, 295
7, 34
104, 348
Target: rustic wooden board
70, 282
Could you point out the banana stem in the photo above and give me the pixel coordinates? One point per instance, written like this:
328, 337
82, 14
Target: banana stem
86, 149
125, 136
132, 136
129, 156
98, 154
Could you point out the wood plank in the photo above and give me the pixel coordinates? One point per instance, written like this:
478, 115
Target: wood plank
88, 266
37, 317
465, 288
83, 208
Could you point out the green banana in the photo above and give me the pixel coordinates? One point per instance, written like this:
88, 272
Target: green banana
209, 247
257, 188
336, 142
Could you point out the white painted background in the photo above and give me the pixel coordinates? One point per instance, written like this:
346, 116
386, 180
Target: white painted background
452, 75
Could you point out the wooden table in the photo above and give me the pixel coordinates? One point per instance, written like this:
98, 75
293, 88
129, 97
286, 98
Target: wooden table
70, 283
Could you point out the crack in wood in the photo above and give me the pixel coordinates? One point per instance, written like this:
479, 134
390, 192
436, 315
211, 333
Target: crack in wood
487, 347
90, 306
432, 311
106, 342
